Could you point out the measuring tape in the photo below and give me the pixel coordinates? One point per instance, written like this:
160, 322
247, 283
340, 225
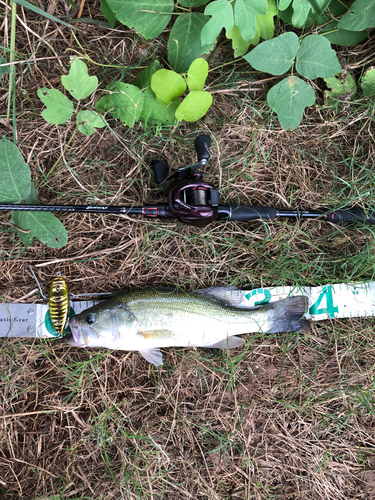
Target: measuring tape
325, 302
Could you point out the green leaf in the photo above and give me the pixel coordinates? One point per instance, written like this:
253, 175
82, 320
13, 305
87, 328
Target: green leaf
42, 225
289, 98
155, 111
4, 69
125, 103
337, 8
194, 106
32, 197
344, 38
184, 42
107, 13
78, 82
54, 235
14, 174
342, 87
239, 45
148, 17
361, 16
367, 82
284, 4
316, 58
274, 56
167, 85
301, 9
306, 11
193, 3
265, 26
88, 120
222, 17
197, 74
245, 12
59, 107
143, 79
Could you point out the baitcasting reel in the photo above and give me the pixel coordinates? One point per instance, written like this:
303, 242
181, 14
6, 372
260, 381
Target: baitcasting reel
190, 199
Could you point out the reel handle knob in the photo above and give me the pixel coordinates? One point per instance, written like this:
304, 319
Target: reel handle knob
160, 170
202, 146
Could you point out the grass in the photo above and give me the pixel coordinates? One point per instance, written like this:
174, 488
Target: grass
288, 416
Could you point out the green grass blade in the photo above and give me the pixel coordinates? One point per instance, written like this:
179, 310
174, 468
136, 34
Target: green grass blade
41, 12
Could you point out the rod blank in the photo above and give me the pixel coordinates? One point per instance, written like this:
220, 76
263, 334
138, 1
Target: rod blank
240, 213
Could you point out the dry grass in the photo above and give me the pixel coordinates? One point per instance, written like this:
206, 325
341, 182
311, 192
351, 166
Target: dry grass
288, 417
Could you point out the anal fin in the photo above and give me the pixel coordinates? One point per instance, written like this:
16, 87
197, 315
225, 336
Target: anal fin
153, 356
228, 343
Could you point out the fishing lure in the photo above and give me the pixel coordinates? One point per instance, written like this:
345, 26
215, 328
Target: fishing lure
58, 303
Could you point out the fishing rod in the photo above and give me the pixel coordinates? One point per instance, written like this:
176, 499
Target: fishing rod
195, 202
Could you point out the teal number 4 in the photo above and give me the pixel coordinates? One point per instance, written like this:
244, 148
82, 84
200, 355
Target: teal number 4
329, 309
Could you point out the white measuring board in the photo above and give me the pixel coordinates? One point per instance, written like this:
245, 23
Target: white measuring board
325, 302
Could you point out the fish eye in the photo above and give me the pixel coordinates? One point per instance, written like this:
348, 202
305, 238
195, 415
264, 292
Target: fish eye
90, 319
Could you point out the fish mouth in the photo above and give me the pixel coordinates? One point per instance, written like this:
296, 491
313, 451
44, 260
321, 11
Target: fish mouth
82, 334
76, 332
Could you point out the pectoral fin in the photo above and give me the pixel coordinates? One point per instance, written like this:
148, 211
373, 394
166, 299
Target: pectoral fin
228, 343
153, 356
157, 334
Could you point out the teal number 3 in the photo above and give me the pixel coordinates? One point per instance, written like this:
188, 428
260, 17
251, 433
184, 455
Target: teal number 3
330, 309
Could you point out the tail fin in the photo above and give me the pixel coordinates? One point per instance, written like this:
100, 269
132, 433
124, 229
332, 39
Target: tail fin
289, 315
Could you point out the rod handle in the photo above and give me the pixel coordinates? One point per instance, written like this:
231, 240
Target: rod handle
202, 146
350, 215
246, 213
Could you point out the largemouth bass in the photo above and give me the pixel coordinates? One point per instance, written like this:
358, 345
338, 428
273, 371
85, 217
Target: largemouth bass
149, 319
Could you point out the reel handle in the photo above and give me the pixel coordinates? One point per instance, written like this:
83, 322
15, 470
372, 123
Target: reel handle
202, 145
160, 170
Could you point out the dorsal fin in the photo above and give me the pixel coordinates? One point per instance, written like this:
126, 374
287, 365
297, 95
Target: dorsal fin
163, 288
228, 295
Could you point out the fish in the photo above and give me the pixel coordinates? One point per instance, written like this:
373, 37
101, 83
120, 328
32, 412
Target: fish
153, 318
58, 303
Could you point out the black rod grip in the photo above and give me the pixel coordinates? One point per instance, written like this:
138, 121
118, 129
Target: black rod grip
202, 146
246, 213
350, 215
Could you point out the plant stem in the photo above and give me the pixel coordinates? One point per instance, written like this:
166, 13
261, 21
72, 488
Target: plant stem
58, 159
12, 74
